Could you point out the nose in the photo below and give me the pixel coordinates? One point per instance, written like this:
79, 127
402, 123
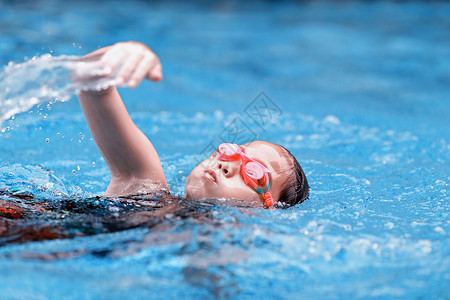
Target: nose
229, 168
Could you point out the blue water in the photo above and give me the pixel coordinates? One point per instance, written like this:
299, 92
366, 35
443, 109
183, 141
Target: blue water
363, 95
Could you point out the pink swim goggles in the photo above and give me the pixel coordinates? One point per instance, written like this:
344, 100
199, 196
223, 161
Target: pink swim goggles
254, 174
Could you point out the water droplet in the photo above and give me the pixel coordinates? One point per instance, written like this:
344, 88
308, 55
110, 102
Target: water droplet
439, 229
332, 119
389, 225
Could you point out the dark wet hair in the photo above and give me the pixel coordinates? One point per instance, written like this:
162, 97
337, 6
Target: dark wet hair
297, 190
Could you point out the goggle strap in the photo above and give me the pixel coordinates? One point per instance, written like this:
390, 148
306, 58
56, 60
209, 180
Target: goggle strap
266, 189
268, 200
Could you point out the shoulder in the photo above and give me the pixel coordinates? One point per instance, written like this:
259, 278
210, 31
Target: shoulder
136, 186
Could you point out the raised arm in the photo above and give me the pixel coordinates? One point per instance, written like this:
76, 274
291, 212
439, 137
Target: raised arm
131, 158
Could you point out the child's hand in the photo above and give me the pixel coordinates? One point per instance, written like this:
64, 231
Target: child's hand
132, 62
127, 62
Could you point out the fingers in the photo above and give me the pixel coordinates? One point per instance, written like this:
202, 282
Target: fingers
147, 63
128, 68
131, 62
156, 73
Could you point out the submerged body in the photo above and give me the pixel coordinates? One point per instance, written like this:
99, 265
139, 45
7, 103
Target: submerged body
24, 218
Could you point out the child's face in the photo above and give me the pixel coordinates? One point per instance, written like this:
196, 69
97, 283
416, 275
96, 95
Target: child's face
214, 178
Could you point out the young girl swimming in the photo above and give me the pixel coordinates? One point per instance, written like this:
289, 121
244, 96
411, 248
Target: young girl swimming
256, 174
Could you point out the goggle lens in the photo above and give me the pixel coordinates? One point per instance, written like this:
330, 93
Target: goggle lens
228, 149
254, 170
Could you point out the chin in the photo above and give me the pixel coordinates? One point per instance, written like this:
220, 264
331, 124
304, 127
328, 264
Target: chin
189, 194
193, 187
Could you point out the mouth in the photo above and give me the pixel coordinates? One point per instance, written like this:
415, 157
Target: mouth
210, 175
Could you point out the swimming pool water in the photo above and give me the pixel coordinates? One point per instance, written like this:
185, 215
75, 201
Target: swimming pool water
363, 98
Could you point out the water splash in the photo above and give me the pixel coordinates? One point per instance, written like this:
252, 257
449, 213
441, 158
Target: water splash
47, 78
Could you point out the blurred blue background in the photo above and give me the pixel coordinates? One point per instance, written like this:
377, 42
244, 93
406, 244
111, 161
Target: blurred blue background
363, 87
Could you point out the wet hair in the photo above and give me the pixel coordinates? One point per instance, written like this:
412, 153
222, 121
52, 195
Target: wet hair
296, 191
